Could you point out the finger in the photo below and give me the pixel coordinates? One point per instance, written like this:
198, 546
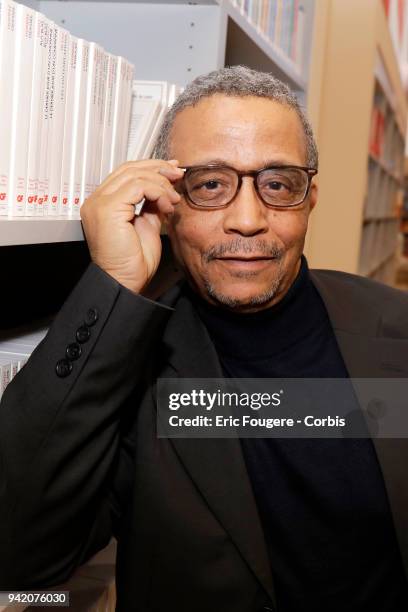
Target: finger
133, 191
142, 175
155, 165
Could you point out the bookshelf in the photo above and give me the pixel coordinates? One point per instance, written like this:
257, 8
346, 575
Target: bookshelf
359, 111
178, 40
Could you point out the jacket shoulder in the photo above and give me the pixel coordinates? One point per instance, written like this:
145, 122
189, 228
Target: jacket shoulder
389, 302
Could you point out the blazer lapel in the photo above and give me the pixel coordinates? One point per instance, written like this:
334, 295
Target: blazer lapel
217, 466
358, 327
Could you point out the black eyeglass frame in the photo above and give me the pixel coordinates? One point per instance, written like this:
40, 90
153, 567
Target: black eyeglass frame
311, 172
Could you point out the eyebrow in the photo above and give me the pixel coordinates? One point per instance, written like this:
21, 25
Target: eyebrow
264, 164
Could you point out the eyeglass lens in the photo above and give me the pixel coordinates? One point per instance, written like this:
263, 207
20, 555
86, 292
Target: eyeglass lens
212, 187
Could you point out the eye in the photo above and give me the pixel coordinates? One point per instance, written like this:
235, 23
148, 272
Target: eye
209, 185
275, 186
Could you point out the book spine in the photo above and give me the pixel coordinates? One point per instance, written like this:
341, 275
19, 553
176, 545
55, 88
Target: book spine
103, 61
86, 187
116, 114
57, 135
48, 117
108, 118
79, 133
8, 10
34, 141
22, 94
5, 376
127, 102
68, 126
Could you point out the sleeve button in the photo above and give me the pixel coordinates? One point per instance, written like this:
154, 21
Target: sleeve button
91, 317
63, 368
73, 351
83, 334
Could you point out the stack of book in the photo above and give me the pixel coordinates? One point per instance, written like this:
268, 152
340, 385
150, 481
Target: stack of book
15, 352
281, 21
64, 115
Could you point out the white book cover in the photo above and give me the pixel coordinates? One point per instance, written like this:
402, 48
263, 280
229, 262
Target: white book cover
15, 366
127, 105
15, 360
149, 103
8, 10
57, 134
159, 90
5, 374
69, 125
143, 119
22, 363
174, 92
108, 117
34, 141
86, 185
118, 113
102, 63
81, 88
147, 153
47, 120
22, 94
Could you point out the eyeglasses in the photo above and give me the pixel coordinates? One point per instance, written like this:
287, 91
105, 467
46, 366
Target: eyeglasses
216, 186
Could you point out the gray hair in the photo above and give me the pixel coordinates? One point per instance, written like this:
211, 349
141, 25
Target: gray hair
237, 81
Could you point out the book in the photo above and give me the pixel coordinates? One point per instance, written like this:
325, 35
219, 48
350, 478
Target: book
47, 120
26, 22
70, 118
108, 122
57, 133
8, 15
34, 139
79, 128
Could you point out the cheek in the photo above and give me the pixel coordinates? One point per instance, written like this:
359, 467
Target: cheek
191, 233
290, 227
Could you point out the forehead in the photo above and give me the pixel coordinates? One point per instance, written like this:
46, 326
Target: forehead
243, 131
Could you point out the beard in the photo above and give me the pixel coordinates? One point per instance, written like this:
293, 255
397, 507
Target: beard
237, 247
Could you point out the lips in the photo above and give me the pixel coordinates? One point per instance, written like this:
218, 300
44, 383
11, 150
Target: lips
245, 265
261, 257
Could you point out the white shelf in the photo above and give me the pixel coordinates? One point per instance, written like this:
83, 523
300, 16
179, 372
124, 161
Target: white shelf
39, 230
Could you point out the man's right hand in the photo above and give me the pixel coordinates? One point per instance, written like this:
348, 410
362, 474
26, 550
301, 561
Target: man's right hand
126, 246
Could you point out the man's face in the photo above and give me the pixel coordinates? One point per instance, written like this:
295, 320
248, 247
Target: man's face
244, 256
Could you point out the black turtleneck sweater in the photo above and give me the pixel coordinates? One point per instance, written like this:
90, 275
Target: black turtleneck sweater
322, 502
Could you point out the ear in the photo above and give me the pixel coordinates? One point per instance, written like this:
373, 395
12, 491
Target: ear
314, 190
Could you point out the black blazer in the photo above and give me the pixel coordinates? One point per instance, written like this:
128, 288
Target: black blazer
80, 459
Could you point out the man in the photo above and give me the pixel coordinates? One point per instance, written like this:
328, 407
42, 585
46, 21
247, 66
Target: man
210, 525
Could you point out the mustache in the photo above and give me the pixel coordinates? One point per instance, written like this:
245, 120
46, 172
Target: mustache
241, 246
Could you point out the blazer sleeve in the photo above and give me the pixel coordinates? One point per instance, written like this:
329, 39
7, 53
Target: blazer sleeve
62, 465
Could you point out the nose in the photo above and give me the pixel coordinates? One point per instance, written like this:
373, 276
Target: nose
246, 215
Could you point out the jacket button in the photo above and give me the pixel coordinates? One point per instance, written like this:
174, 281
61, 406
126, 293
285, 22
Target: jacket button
63, 368
73, 351
91, 317
83, 334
